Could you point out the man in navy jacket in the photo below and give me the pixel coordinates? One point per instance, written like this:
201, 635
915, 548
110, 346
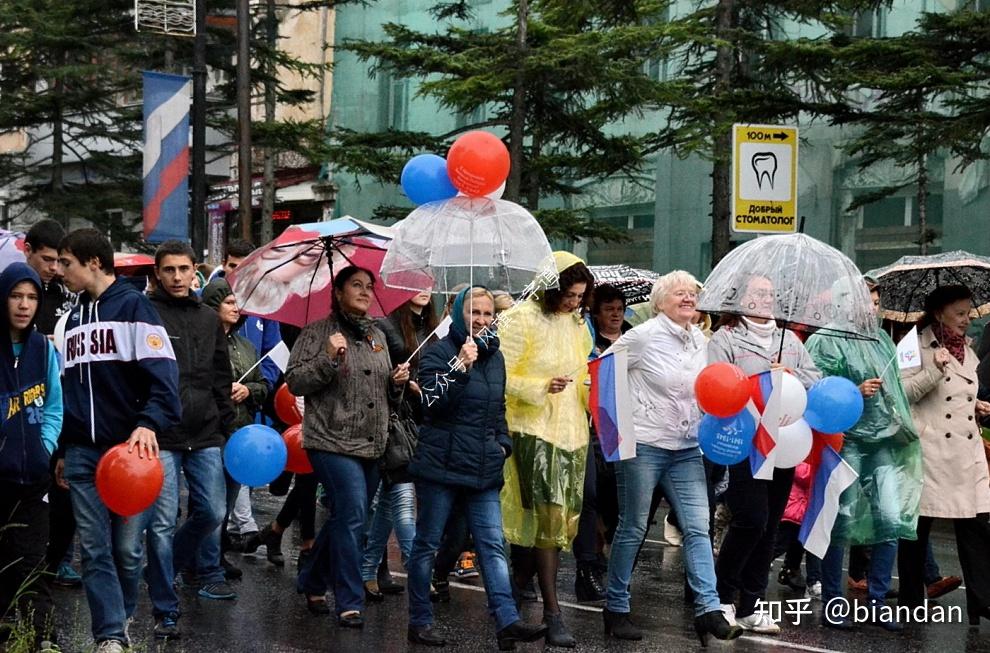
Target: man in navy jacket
120, 384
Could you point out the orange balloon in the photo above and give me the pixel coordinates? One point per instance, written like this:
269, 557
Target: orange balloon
722, 389
285, 406
478, 163
298, 460
822, 440
128, 485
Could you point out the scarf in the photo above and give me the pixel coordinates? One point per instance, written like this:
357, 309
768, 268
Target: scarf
955, 344
762, 333
358, 325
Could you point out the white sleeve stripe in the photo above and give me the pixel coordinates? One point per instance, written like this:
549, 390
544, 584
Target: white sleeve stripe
116, 341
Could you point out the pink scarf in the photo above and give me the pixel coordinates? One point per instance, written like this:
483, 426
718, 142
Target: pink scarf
954, 343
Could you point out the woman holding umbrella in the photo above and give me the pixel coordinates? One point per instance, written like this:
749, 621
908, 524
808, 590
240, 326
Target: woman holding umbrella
340, 365
755, 343
956, 478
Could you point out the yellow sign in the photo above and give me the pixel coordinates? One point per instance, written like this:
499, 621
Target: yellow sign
764, 179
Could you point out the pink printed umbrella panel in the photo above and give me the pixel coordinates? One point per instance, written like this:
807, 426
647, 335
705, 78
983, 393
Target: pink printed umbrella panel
11, 248
290, 279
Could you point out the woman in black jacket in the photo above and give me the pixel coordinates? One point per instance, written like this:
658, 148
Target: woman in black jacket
463, 443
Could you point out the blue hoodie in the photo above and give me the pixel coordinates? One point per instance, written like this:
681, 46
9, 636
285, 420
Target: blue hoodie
119, 369
31, 397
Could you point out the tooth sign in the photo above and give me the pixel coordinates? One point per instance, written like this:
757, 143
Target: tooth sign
765, 167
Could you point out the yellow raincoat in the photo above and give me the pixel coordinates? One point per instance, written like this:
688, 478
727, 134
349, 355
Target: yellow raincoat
544, 477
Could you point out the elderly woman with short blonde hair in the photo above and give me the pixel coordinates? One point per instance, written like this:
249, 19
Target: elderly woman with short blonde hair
665, 355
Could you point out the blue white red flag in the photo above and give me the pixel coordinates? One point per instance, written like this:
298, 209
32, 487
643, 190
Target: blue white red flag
764, 405
831, 479
610, 404
166, 157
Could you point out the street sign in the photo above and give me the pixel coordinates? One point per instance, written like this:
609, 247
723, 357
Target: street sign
764, 179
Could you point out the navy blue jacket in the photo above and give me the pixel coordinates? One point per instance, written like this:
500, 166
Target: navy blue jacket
464, 439
119, 369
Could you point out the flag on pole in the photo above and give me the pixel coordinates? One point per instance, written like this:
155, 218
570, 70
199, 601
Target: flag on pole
166, 157
909, 350
279, 354
610, 406
831, 479
765, 408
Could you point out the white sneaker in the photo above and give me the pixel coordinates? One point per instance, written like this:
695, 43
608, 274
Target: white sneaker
758, 622
814, 591
672, 534
110, 646
729, 612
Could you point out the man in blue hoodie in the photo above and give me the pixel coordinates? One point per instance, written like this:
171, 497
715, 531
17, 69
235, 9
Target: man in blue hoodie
30, 421
120, 384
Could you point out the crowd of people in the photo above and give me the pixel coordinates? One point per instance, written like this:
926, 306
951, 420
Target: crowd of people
507, 471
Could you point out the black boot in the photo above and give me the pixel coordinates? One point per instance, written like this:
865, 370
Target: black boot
386, 584
618, 625
273, 543
440, 593
557, 633
424, 635
714, 623
519, 631
230, 571
588, 586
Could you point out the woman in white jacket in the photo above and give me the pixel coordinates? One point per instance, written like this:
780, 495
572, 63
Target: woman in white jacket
665, 356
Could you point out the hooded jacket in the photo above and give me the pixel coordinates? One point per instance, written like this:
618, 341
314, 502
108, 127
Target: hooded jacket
31, 397
204, 373
464, 439
119, 369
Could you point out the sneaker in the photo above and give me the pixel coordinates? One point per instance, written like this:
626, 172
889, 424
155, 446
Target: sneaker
943, 586
110, 646
672, 534
218, 591
758, 622
729, 612
814, 591
66, 576
167, 627
791, 578
465, 567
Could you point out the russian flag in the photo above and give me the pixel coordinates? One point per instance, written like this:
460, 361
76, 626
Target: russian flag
764, 405
834, 475
611, 410
166, 157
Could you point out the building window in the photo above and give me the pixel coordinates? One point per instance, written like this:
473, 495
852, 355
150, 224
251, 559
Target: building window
474, 117
393, 102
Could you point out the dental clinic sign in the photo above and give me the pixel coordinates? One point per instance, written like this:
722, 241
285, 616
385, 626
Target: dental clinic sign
764, 179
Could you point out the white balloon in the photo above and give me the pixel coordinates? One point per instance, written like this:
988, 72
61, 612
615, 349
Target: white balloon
793, 399
793, 445
497, 193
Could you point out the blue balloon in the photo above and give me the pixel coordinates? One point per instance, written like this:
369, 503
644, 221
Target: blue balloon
424, 179
255, 455
835, 404
727, 440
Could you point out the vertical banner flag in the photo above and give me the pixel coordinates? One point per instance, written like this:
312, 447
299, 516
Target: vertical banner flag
909, 350
609, 404
166, 157
831, 479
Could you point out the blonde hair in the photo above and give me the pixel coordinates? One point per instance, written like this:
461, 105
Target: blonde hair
477, 291
665, 284
503, 301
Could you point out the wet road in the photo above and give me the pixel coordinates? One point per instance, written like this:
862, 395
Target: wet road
269, 616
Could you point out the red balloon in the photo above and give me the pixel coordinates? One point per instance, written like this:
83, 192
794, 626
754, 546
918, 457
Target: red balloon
285, 407
477, 163
298, 460
127, 484
833, 440
722, 389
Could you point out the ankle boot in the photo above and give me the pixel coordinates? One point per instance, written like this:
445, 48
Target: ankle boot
588, 586
620, 626
519, 631
386, 584
557, 633
273, 542
425, 636
714, 623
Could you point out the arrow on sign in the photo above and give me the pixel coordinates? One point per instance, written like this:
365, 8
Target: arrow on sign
780, 136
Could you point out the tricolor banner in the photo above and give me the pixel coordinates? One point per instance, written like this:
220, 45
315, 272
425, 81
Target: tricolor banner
830, 480
166, 157
610, 404
765, 408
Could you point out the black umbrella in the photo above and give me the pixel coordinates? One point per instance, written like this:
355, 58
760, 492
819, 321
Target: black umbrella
634, 283
905, 284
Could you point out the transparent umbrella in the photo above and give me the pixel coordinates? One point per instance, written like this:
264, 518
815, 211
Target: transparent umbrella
466, 240
799, 281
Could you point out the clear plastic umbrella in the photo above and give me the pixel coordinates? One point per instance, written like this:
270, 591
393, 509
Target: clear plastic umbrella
799, 281
467, 240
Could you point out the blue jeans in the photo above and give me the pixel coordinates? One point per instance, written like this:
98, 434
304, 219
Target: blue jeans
395, 508
882, 558
111, 548
681, 475
336, 559
210, 552
484, 516
171, 549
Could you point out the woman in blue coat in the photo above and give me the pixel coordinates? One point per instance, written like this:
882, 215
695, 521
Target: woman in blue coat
463, 443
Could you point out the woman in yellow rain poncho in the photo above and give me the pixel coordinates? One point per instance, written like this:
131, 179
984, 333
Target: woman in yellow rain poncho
546, 345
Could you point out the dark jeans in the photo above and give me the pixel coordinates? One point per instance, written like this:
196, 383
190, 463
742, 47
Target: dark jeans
747, 551
23, 536
972, 542
789, 546
336, 559
61, 525
879, 570
301, 504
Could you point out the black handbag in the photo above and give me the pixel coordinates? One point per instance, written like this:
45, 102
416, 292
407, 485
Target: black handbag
403, 434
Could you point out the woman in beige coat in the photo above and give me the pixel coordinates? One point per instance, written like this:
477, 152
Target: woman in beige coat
945, 409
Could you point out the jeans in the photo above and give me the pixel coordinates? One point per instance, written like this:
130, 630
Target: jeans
170, 549
336, 559
882, 558
681, 474
111, 566
484, 516
23, 539
395, 509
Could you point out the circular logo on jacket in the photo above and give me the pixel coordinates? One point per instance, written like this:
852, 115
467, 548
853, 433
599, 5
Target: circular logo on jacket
155, 341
